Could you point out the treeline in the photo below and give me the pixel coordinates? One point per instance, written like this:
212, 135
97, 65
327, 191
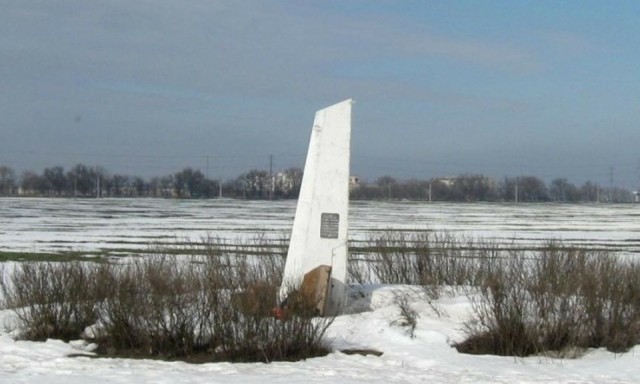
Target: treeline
86, 181
470, 187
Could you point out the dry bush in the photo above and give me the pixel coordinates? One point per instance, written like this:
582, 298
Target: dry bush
428, 259
50, 300
211, 307
253, 335
200, 303
556, 298
501, 311
152, 306
214, 301
359, 269
244, 324
394, 260
610, 290
408, 317
559, 299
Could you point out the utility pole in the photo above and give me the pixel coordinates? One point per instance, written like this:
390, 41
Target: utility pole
610, 177
272, 186
429, 190
611, 194
516, 192
207, 167
244, 188
638, 172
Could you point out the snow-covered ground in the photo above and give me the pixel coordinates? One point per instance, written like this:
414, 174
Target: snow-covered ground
427, 358
43, 225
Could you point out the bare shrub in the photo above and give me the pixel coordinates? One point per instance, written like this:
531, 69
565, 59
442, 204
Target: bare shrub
394, 262
428, 259
501, 310
214, 301
50, 300
243, 322
556, 299
359, 269
254, 336
214, 306
408, 316
118, 292
203, 302
152, 306
610, 290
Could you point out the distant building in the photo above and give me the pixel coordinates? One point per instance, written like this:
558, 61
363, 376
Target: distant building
637, 194
283, 182
354, 182
450, 181
447, 181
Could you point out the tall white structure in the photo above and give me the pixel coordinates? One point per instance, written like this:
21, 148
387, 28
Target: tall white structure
319, 234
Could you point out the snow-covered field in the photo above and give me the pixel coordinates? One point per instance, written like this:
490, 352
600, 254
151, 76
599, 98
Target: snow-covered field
41, 225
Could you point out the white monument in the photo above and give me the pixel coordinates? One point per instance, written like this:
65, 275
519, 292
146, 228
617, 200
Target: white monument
319, 234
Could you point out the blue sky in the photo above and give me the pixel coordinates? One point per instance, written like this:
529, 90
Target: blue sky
501, 88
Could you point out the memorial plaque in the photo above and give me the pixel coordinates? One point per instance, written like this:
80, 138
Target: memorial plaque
329, 225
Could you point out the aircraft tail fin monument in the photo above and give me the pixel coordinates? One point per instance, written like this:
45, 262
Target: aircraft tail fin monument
319, 234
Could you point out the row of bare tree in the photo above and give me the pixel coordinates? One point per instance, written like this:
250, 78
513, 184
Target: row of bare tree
84, 181
472, 187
